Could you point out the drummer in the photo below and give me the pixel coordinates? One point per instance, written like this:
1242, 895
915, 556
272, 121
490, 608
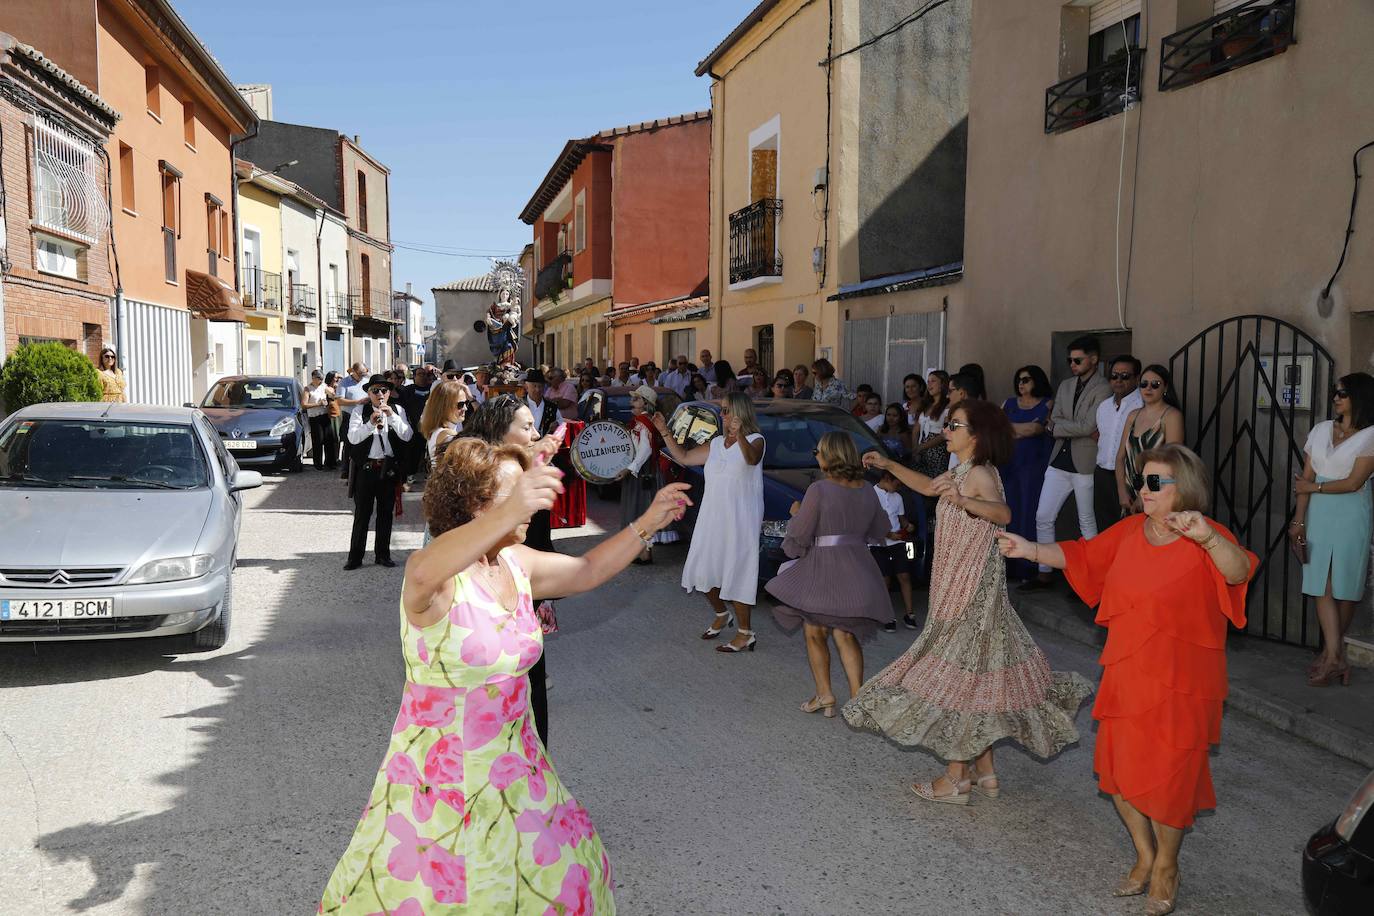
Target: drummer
641, 480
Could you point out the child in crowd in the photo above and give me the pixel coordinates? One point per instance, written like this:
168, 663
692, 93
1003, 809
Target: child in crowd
894, 556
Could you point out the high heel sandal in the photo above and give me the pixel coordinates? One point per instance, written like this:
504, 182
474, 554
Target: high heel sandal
747, 647
979, 785
1131, 887
713, 631
926, 791
1160, 906
815, 705
1325, 674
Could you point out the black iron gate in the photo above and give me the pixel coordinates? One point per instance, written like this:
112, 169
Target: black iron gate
1251, 388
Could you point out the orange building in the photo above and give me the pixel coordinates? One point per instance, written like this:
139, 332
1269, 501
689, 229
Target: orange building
56, 282
171, 162
621, 237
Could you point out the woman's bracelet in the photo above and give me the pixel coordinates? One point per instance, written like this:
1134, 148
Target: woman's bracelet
1211, 542
1036, 558
648, 541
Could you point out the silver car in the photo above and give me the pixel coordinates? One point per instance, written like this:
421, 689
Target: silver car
120, 521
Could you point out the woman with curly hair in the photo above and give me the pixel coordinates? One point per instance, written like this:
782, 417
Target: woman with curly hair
833, 587
467, 811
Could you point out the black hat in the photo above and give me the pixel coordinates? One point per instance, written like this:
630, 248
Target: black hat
378, 380
535, 375
450, 366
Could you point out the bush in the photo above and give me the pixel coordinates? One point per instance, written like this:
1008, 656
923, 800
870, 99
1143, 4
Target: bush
45, 372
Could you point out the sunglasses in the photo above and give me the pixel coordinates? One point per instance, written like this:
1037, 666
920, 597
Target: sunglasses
462, 405
452, 376
1154, 483
1025, 380
952, 425
1077, 360
1341, 393
379, 391
1153, 386
1121, 376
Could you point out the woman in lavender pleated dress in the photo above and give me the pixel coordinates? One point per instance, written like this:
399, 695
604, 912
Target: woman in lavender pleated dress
834, 587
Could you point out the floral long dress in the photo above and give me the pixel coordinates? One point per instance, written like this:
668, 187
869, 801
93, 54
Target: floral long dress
467, 814
974, 676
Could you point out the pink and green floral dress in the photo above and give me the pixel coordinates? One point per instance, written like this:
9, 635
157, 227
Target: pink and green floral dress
467, 814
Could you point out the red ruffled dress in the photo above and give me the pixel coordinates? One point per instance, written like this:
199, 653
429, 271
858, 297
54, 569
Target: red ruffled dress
1164, 666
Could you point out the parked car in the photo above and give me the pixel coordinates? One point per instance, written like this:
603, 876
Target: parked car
260, 420
792, 431
120, 521
1338, 862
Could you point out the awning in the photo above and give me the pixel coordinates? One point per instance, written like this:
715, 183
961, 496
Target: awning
943, 275
211, 298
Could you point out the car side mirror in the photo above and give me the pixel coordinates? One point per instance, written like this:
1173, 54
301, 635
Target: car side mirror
245, 480
188, 404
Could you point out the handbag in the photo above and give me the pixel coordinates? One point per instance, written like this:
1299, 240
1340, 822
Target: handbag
548, 617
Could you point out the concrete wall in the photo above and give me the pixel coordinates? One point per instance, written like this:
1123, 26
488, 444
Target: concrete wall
913, 140
660, 198
315, 148
455, 312
771, 73
1235, 194
64, 31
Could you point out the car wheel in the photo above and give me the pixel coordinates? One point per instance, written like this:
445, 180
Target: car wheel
216, 633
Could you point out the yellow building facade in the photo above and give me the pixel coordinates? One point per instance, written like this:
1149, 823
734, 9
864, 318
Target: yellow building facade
260, 275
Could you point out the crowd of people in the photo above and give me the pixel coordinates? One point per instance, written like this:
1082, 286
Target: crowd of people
966, 498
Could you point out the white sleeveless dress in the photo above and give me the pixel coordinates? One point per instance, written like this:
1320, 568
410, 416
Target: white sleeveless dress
725, 543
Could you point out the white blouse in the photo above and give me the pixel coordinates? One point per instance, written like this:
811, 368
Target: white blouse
1336, 462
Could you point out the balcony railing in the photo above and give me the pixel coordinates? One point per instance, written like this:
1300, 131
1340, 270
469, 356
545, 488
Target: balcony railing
1095, 94
377, 304
261, 289
754, 241
1237, 37
553, 279
301, 301
340, 308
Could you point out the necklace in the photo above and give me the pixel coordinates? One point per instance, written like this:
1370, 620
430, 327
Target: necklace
1164, 537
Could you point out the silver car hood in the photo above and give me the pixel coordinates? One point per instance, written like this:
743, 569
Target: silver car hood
99, 527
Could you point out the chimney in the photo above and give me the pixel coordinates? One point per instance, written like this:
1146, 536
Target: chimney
407, 288
357, 141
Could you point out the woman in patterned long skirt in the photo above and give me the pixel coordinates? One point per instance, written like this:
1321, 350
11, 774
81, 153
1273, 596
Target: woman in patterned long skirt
974, 676
467, 814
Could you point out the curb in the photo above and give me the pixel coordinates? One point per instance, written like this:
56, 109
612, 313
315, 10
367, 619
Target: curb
1287, 717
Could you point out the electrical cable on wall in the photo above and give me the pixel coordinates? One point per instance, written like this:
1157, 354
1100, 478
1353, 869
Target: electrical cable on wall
913, 17
1350, 224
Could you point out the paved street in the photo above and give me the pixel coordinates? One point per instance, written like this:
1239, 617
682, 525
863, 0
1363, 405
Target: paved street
143, 781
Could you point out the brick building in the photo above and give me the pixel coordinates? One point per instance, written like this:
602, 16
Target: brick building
56, 279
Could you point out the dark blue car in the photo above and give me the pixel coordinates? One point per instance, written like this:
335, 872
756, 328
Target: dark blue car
792, 431
260, 420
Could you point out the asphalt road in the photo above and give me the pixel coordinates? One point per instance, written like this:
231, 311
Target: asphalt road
142, 779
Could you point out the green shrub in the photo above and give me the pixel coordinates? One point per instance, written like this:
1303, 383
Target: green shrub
41, 373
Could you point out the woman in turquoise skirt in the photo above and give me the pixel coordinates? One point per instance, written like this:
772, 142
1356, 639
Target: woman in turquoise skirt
1332, 521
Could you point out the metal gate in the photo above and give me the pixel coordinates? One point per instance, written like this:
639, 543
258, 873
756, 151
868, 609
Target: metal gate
882, 351
1251, 388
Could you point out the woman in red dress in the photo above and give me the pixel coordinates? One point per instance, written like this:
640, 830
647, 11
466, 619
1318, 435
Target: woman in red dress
1166, 583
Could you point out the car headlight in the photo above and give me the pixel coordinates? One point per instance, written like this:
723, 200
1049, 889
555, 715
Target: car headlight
284, 426
173, 569
1354, 813
775, 529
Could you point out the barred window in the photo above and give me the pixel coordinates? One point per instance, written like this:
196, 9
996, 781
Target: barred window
68, 198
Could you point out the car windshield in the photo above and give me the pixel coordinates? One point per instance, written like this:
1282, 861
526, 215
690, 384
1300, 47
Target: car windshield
272, 394
790, 440
101, 454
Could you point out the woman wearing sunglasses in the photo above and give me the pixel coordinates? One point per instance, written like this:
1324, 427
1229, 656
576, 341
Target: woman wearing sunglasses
974, 676
1167, 581
1158, 422
446, 409
1331, 524
1024, 475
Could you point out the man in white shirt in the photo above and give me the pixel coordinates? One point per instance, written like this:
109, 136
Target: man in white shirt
708, 367
349, 394
378, 434
1124, 378
545, 414
678, 377
315, 400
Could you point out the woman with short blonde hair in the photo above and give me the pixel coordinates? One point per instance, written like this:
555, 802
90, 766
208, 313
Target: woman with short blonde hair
833, 586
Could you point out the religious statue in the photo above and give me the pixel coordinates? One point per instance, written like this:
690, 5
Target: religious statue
502, 321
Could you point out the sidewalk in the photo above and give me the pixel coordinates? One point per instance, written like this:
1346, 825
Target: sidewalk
1267, 679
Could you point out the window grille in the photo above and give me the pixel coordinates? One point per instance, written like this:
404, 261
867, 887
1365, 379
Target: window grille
68, 197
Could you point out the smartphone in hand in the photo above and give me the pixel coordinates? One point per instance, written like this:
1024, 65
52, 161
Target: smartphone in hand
556, 438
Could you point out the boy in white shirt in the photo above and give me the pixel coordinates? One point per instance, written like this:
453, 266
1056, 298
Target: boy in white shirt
894, 555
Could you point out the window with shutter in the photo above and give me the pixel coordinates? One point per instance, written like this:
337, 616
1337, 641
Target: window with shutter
1107, 13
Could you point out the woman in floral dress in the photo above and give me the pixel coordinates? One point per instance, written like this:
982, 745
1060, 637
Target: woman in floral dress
467, 814
974, 676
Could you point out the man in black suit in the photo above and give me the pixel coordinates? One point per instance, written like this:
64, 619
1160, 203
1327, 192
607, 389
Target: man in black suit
411, 399
379, 435
545, 414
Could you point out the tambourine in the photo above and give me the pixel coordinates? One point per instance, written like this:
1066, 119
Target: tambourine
602, 450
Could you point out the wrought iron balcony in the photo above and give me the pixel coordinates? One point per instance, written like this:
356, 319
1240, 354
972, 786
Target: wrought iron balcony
261, 289
1095, 94
301, 301
340, 308
553, 279
1237, 37
754, 241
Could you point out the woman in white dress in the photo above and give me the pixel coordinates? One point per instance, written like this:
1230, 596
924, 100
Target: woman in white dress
723, 561
1332, 520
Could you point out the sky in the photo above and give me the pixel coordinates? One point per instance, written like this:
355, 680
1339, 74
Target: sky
468, 102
